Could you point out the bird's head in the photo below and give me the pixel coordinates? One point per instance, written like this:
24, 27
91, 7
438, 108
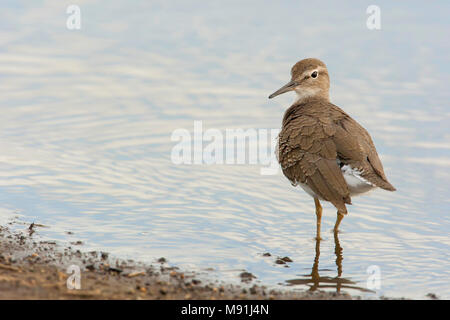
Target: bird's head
309, 78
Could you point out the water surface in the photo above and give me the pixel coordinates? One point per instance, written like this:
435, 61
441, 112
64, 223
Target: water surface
87, 117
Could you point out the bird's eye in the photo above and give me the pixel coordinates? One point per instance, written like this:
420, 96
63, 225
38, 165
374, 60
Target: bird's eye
314, 74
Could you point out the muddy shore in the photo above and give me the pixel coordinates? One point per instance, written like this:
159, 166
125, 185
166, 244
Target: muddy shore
33, 269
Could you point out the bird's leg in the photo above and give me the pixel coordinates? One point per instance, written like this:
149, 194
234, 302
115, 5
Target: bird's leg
319, 217
339, 218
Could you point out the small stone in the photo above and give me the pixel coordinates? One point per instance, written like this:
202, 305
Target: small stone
432, 296
246, 276
143, 289
136, 274
90, 267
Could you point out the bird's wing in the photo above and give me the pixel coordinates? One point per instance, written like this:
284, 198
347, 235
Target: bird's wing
355, 147
307, 154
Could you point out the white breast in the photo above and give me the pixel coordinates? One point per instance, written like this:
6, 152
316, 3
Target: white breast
356, 184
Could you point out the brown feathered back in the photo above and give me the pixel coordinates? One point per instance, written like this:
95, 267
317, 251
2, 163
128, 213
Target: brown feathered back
315, 134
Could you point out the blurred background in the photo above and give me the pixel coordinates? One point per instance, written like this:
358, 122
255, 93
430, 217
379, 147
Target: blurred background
87, 116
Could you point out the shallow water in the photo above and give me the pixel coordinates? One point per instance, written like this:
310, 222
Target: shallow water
87, 119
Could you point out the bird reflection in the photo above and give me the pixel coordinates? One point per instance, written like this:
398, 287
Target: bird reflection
314, 281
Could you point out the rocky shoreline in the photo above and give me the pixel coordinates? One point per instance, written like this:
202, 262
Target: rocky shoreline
33, 269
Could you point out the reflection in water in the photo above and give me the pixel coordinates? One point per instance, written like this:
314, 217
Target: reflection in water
314, 281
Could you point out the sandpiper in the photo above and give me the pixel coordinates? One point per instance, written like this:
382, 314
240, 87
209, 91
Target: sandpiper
321, 148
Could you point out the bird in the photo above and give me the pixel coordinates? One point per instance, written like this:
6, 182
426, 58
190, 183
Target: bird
321, 148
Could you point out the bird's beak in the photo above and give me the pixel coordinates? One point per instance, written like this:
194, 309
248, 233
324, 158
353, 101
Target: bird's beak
287, 87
